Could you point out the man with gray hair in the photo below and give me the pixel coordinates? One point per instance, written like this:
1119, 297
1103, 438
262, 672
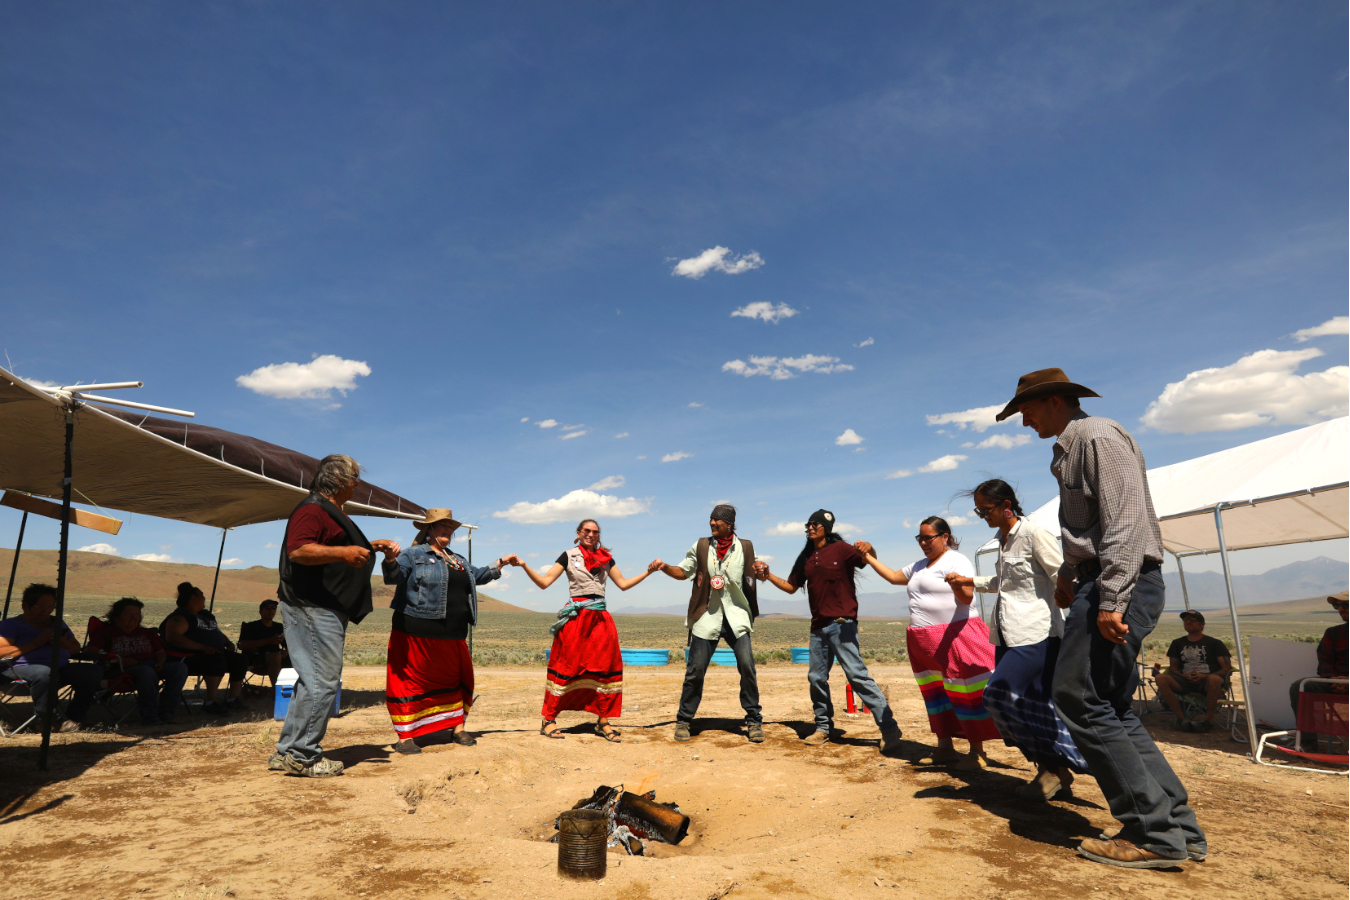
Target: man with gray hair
722, 606
326, 564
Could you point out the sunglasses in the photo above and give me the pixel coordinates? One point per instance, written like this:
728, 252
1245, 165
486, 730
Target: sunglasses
590, 531
985, 513
925, 538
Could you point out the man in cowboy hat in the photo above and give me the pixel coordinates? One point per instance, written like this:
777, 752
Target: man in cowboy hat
722, 606
1333, 661
325, 569
1111, 583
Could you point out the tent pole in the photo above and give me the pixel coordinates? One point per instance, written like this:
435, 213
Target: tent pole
219, 557
18, 548
1237, 632
1185, 598
58, 620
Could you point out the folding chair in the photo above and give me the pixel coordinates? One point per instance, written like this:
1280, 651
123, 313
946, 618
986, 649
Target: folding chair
117, 684
12, 690
1320, 714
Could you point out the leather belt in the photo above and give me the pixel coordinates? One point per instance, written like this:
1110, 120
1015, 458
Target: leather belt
842, 620
1090, 569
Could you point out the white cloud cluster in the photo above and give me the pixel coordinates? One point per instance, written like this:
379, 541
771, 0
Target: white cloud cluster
1334, 326
1002, 441
941, 464
100, 547
159, 557
900, 473
1260, 389
693, 405
548, 423
232, 561
849, 438
763, 309
317, 378
573, 506
716, 259
798, 529
867, 343
674, 457
572, 434
782, 368
977, 419
622, 434
608, 483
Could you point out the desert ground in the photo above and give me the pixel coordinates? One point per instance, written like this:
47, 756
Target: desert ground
192, 812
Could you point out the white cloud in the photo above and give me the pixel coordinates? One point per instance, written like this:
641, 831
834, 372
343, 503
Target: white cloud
573, 427
1338, 325
976, 419
621, 434
317, 378
867, 343
548, 423
608, 483
673, 457
955, 521
271, 546
764, 556
967, 445
572, 434
524, 419
786, 367
943, 463
1002, 441
109, 549
786, 528
716, 259
154, 557
232, 561
763, 309
849, 438
900, 473
1259, 389
643, 456
695, 405
573, 506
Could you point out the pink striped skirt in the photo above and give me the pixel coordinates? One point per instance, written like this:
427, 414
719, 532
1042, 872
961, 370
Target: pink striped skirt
952, 663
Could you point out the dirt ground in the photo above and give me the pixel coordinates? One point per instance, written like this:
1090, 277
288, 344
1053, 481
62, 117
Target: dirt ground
192, 812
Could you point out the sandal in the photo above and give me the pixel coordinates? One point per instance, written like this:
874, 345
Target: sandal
940, 757
608, 732
543, 729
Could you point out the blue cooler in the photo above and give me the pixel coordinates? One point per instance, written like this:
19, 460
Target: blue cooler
286, 689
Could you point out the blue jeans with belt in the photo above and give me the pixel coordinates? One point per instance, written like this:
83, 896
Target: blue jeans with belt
839, 641
699, 655
315, 638
1094, 684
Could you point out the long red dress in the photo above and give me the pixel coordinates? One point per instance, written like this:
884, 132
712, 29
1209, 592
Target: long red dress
585, 668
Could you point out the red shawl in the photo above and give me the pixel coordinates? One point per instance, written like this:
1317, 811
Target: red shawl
597, 559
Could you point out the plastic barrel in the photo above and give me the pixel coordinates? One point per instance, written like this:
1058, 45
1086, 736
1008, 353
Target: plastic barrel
724, 656
644, 656
582, 836
801, 655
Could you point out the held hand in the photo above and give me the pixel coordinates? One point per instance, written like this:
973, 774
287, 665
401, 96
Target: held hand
356, 557
1063, 593
1112, 626
761, 569
956, 579
390, 549
865, 548
513, 560
655, 565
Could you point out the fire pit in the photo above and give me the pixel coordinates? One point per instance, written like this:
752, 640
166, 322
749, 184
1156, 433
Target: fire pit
635, 818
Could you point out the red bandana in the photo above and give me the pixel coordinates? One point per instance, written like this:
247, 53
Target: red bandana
596, 560
724, 545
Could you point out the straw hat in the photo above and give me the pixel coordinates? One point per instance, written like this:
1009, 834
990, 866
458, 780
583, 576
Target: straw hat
1338, 599
436, 515
1043, 383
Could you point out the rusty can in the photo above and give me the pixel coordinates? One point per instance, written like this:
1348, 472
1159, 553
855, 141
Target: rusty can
582, 838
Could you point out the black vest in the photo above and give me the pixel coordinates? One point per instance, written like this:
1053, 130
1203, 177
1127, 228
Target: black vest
333, 585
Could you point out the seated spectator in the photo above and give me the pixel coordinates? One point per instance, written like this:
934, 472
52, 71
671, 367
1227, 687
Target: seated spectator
27, 641
1332, 661
265, 642
142, 656
1197, 664
193, 630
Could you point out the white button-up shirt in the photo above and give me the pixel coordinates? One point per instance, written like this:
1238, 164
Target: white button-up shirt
1024, 579
729, 602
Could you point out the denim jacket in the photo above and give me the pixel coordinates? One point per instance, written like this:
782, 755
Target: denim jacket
421, 578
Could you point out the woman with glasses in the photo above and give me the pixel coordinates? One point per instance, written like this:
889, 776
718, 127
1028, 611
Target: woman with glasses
948, 647
585, 670
1027, 627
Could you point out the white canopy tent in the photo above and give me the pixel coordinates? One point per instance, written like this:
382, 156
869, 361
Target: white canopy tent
1289, 489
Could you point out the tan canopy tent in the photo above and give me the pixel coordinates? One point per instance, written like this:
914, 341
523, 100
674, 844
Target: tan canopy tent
55, 444
1289, 489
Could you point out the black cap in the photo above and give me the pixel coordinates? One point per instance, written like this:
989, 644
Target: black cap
267, 603
1193, 614
824, 518
724, 512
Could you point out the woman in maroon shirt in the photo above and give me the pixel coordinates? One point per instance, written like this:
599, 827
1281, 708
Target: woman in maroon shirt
142, 656
827, 566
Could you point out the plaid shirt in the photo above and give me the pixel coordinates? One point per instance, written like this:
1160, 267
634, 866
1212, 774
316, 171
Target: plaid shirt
1332, 661
1105, 511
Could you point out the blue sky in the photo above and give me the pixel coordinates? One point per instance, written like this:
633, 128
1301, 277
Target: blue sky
490, 217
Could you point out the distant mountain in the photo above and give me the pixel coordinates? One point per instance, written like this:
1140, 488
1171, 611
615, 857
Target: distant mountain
1294, 581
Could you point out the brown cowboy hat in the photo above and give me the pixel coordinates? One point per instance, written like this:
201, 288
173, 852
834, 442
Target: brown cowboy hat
436, 515
1043, 383
1338, 599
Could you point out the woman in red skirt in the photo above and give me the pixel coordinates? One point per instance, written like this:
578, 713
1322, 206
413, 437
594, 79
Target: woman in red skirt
585, 670
429, 682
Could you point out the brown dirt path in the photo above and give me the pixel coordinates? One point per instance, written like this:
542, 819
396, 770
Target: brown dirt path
193, 813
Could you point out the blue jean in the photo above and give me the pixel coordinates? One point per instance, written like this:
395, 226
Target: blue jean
85, 678
839, 641
315, 638
152, 702
699, 655
1095, 680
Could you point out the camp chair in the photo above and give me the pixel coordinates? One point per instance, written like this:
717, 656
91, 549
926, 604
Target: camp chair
1229, 711
1324, 714
12, 690
118, 684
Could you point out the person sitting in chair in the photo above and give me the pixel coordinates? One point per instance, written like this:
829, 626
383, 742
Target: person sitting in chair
31, 640
1197, 664
191, 630
264, 642
1333, 660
